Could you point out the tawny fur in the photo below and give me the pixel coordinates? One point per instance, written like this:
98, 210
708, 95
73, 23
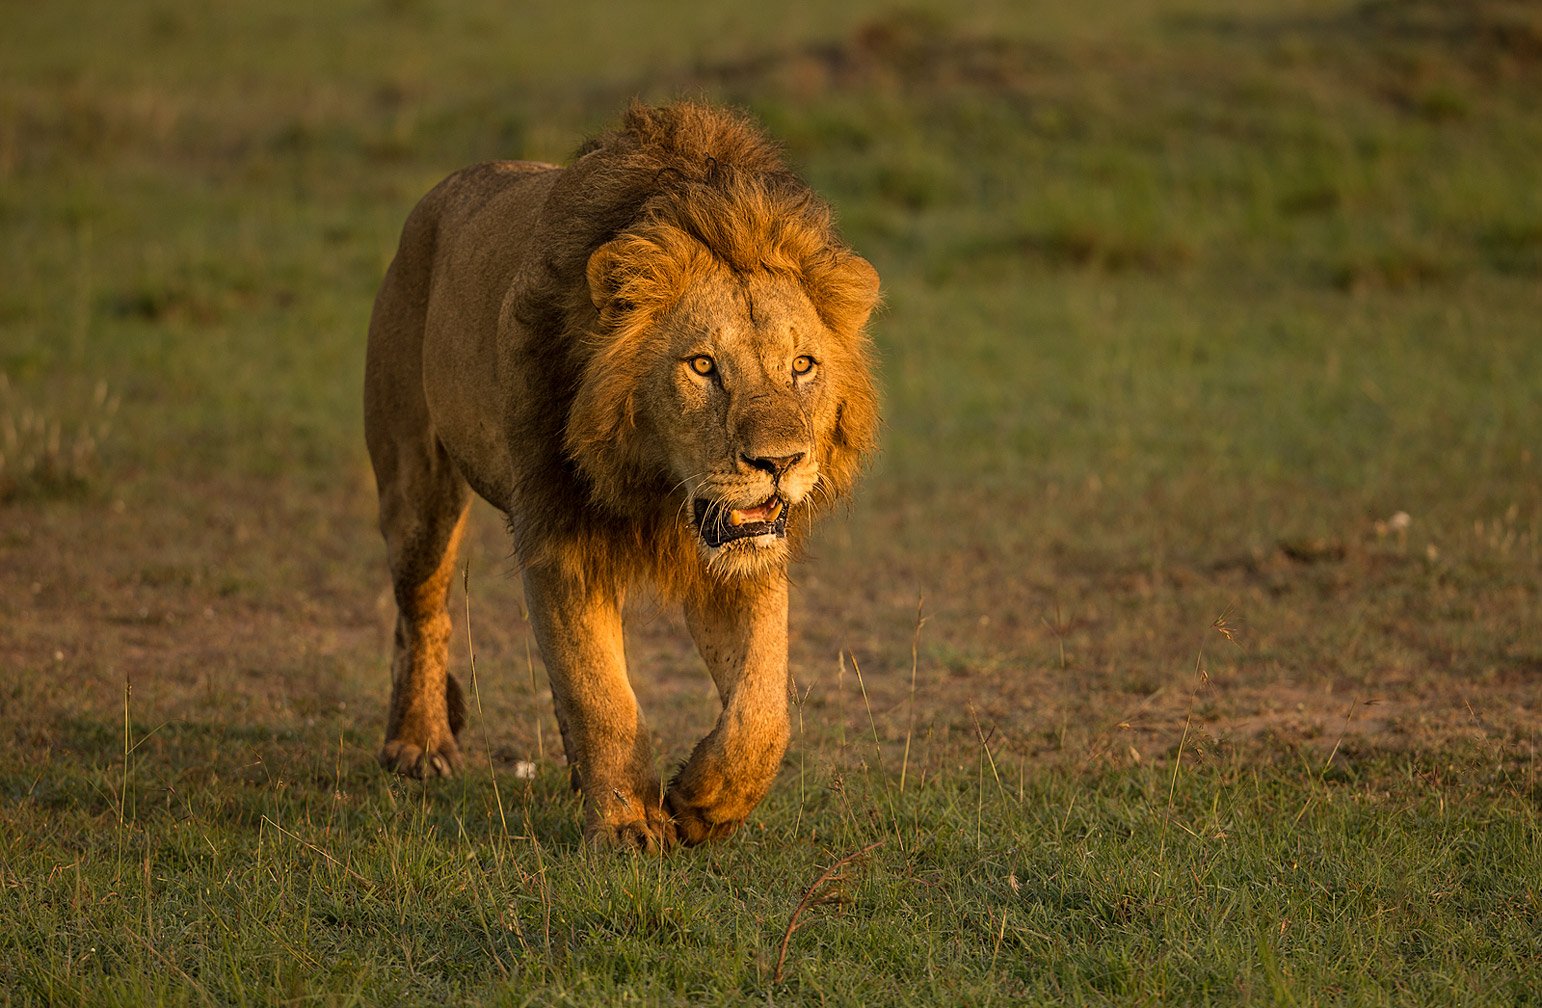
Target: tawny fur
534, 341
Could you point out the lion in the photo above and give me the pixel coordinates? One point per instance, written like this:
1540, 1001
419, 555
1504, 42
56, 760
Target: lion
654, 362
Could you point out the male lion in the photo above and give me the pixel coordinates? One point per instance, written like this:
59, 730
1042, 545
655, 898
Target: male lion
653, 362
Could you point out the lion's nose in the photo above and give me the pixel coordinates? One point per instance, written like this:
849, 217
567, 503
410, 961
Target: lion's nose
775, 466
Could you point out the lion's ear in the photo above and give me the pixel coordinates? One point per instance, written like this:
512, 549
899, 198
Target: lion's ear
848, 293
604, 276
863, 280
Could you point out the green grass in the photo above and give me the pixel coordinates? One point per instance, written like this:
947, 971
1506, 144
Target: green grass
1183, 305
295, 871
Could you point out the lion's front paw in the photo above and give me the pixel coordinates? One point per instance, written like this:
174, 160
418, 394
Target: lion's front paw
654, 833
697, 823
438, 758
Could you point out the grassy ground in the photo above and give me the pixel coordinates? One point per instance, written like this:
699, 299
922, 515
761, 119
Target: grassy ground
1211, 363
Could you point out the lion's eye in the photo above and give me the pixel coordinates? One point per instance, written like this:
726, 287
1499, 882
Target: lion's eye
703, 365
802, 364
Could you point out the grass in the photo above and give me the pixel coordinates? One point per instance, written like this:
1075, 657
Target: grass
38, 456
1184, 305
295, 871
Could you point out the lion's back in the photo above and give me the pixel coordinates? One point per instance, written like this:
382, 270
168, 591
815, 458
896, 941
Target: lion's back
434, 333
485, 212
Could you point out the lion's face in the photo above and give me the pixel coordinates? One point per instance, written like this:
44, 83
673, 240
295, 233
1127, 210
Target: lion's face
739, 396
738, 404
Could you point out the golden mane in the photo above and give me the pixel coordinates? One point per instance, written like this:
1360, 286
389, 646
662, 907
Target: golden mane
669, 192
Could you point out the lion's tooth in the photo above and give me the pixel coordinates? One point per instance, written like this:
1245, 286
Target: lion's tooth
736, 518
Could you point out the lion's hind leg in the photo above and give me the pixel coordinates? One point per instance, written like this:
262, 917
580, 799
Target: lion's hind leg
423, 503
427, 708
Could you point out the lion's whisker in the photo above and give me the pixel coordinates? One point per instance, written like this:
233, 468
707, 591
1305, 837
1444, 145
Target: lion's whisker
685, 501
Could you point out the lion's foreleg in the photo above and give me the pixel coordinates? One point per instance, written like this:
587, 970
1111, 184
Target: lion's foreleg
578, 629
742, 635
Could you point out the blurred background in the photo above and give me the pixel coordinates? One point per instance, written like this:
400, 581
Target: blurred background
1210, 351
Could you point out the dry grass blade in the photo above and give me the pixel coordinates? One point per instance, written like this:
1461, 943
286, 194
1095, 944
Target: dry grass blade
813, 896
877, 749
317, 850
476, 694
985, 746
1226, 629
910, 726
1348, 715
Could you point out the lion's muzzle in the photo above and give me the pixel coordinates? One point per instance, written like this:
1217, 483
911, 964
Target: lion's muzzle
720, 525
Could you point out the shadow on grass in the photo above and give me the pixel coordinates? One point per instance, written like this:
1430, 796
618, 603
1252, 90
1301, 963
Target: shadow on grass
239, 774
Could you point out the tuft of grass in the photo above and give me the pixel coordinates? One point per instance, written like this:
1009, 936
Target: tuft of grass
47, 455
1393, 271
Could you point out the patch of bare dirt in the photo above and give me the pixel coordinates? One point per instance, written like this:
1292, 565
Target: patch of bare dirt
277, 614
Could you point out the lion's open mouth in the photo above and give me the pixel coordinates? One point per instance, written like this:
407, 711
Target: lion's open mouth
719, 525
